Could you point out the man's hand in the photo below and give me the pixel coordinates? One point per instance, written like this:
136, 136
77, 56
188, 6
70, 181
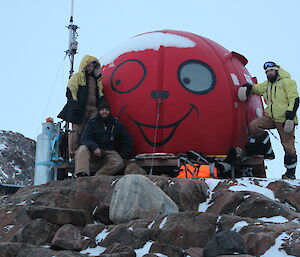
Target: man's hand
97, 152
249, 88
288, 126
244, 91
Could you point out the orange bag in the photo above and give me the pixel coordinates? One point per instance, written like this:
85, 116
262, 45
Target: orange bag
197, 171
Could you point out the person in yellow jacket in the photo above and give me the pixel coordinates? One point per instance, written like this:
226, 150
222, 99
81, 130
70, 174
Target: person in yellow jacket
281, 96
84, 94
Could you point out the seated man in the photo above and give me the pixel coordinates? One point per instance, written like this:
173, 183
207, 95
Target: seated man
100, 139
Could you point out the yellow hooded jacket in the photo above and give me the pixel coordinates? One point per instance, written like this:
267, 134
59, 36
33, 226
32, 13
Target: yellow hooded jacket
280, 96
78, 80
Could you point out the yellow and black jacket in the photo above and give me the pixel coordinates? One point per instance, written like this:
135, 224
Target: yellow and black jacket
77, 92
280, 96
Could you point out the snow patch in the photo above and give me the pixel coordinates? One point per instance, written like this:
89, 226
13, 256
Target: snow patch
151, 224
275, 219
204, 206
8, 228
3, 173
163, 222
142, 251
276, 250
94, 251
211, 183
101, 236
3, 146
244, 185
239, 225
151, 40
160, 255
171, 183
130, 228
113, 182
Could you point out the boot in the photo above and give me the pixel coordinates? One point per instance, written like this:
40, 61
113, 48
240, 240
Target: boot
290, 162
260, 145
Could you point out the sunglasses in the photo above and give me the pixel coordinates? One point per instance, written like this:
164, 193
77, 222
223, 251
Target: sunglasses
269, 64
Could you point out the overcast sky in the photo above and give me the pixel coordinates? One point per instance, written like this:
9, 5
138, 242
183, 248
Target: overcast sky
34, 72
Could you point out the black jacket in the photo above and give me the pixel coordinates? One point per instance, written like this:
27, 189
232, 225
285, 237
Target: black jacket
74, 110
109, 135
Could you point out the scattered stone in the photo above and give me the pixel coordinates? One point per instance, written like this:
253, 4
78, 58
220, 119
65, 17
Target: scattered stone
89, 234
167, 250
125, 235
83, 201
194, 252
36, 232
258, 243
225, 243
187, 194
101, 214
48, 253
184, 229
133, 168
68, 237
286, 193
135, 196
258, 206
11, 249
16, 158
118, 250
60, 216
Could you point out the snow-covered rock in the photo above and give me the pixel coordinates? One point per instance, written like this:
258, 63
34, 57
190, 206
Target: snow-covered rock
16, 158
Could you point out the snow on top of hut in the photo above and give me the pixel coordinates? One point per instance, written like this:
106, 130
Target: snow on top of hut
151, 40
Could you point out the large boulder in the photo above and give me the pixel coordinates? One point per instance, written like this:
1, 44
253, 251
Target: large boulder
135, 196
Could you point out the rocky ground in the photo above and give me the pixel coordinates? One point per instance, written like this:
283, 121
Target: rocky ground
16, 158
71, 218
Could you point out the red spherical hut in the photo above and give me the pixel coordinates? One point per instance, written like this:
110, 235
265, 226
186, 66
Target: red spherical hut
177, 91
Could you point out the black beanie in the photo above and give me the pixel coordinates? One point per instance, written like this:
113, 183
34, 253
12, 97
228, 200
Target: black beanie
104, 105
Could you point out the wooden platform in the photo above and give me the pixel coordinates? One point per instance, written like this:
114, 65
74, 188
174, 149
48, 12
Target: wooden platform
244, 166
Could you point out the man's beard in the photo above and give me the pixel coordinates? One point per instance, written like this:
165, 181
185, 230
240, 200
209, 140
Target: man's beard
272, 79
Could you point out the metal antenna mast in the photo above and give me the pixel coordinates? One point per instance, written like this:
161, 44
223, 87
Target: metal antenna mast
72, 50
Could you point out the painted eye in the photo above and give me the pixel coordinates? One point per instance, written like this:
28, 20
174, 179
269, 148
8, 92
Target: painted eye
127, 76
196, 77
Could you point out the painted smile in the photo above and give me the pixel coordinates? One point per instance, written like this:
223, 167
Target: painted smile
172, 126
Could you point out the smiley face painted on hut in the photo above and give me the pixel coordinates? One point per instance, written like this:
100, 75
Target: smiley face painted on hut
168, 92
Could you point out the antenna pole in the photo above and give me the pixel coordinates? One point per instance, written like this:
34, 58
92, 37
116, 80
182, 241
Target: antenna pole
73, 44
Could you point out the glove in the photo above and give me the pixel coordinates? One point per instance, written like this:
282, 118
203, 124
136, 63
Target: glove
244, 91
289, 115
242, 94
249, 88
288, 126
